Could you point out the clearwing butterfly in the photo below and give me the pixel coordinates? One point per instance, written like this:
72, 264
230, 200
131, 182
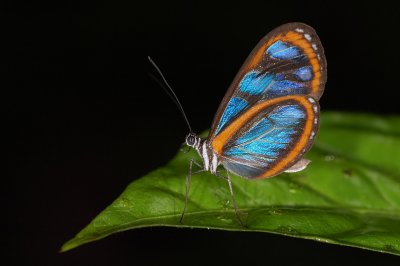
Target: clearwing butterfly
269, 117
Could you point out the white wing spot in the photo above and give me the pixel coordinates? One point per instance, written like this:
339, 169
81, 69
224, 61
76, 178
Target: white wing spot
307, 36
311, 100
314, 46
315, 121
312, 134
299, 30
315, 109
319, 57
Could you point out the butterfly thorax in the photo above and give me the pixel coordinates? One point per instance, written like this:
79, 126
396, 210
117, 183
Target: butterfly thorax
207, 154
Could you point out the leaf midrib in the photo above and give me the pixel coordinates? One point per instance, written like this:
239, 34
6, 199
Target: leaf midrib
373, 212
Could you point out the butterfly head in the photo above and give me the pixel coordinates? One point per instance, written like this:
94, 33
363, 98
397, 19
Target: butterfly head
192, 140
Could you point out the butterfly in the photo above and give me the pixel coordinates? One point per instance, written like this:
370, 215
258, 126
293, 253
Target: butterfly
269, 117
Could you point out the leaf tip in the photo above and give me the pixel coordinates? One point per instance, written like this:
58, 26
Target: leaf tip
67, 246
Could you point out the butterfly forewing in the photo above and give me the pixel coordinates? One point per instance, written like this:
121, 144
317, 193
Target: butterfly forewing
269, 117
287, 61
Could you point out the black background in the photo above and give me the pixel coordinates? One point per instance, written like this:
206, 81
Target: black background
84, 119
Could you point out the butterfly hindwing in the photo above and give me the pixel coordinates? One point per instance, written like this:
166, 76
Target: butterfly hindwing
287, 61
270, 137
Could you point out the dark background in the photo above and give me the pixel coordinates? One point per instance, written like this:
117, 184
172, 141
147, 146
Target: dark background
84, 119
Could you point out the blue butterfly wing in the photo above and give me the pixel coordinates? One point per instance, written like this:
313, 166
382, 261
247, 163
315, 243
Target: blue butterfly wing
287, 61
273, 139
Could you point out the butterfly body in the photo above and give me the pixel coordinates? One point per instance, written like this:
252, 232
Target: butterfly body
269, 117
209, 157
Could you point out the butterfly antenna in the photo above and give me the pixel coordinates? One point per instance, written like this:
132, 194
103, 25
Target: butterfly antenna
170, 92
159, 82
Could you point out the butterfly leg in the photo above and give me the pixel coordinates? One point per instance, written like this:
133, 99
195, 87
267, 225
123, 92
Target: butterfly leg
199, 165
237, 211
187, 185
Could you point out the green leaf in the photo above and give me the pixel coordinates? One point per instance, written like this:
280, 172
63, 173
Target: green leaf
348, 195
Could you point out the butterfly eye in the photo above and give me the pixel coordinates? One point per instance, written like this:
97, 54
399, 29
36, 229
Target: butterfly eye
190, 140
